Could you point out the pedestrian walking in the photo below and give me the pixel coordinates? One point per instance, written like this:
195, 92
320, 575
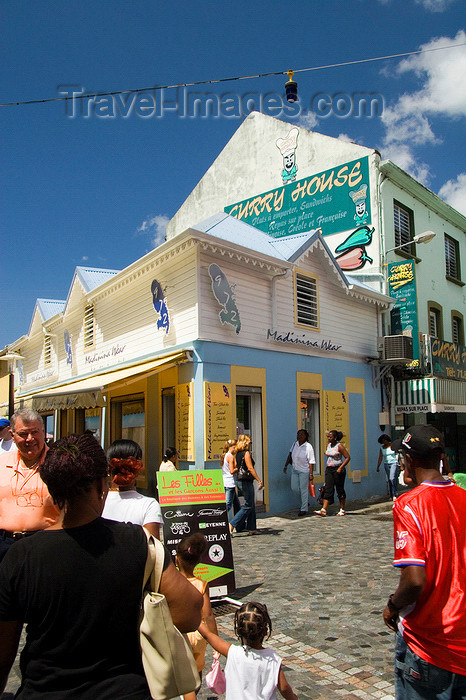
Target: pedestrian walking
335, 472
302, 460
389, 459
77, 586
188, 555
252, 671
245, 518
229, 471
428, 609
25, 503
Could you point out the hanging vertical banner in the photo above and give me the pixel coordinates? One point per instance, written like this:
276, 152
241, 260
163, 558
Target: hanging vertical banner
403, 317
185, 421
194, 501
218, 418
336, 414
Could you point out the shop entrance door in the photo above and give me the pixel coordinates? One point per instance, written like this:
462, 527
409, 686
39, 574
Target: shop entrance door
249, 422
310, 421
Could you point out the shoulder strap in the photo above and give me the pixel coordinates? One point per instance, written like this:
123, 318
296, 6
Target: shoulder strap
154, 562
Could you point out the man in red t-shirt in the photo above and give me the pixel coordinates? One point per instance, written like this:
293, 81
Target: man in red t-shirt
428, 609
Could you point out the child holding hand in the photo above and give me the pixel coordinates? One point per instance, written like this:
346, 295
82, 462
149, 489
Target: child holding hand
252, 671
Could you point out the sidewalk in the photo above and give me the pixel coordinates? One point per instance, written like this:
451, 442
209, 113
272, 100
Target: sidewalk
325, 582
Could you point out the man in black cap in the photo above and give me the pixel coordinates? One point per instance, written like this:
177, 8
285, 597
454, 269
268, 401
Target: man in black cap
428, 609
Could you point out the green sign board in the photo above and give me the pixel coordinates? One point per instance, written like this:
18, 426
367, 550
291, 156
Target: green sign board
194, 501
448, 359
402, 287
334, 200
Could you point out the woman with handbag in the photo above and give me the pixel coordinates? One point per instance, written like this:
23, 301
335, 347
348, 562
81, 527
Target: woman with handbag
245, 518
77, 586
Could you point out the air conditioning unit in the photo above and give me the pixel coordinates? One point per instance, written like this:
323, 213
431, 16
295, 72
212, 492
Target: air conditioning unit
397, 348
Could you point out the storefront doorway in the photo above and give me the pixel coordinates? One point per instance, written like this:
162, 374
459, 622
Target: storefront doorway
249, 422
310, 421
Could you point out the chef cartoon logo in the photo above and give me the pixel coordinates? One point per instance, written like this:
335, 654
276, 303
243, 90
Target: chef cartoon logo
224, 293
401, 539
351, 254
287, 148
160, 305
359, 201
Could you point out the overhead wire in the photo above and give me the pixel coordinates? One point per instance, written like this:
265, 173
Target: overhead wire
82, 96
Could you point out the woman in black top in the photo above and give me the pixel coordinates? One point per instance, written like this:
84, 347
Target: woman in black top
78, 588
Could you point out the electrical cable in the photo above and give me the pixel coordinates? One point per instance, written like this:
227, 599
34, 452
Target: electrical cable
77, 96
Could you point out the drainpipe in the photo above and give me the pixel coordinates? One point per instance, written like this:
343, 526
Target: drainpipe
279, 275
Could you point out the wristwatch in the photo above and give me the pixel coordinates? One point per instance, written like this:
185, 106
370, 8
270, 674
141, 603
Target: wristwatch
392, 605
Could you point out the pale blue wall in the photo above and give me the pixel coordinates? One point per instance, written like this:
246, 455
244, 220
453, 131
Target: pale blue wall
212, 364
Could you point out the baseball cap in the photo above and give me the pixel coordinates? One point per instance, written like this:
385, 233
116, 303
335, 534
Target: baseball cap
4, 423
420, 441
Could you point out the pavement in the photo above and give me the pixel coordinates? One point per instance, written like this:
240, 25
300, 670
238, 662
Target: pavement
325, 582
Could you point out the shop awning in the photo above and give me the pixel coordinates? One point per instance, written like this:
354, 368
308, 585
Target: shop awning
430, 395
90, 392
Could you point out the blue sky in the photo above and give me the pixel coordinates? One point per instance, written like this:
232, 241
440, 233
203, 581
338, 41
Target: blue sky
98, 191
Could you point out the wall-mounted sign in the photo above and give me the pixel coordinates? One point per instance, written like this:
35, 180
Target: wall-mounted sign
334, 200
104, 358
42, 375
218, 410
160, 305
301, 340
185, 421
336, 414
403, 316
68, 350
448, 359
224, 292
194, 501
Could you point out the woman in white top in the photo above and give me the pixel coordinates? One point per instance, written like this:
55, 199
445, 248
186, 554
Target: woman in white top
229, 470
169, 460
335, 472
124, 503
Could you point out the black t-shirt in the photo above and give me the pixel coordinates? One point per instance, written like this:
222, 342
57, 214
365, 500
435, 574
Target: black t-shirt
78, 590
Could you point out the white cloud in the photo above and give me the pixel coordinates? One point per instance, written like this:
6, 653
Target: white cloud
84, 258
442, 76
345, 137
307, 119
434, 5
454, 192
156, 226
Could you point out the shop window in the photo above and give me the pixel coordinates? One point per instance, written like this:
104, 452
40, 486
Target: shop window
457, 328
435, 320
452, 258
92, 421
307, 301
403, 219
47, 350
128, 420
88, 326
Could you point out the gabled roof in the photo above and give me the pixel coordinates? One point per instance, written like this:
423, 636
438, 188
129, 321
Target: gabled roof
49, 307
228, 228
287, 249
92, 277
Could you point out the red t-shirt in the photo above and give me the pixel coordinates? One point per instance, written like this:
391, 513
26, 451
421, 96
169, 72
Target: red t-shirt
430, 531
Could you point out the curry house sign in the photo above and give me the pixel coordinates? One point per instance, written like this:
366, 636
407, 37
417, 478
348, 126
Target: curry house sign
334, 200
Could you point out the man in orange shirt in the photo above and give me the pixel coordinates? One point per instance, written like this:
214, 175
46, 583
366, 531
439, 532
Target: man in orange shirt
25, 503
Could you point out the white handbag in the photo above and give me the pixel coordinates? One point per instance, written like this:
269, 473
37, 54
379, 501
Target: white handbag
167, 656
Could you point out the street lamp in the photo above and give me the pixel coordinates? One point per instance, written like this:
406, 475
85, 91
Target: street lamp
11, 359
425, 237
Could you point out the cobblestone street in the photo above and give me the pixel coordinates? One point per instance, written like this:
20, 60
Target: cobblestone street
325, 582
